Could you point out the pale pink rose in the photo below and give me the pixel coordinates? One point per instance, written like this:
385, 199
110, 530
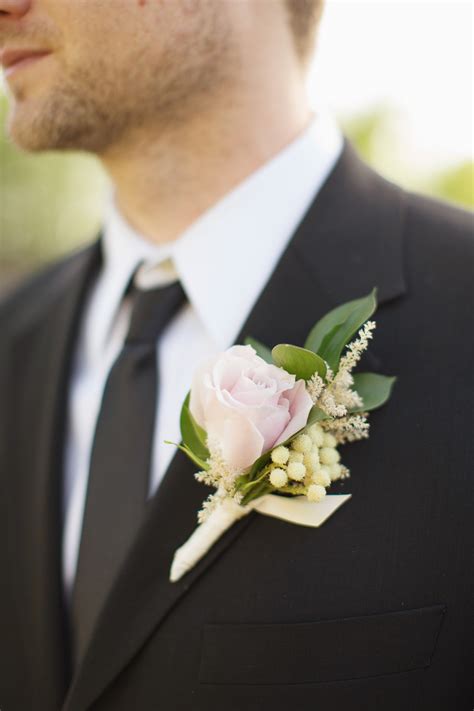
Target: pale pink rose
249, 406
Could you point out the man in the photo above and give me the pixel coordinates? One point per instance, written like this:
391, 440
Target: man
241, 213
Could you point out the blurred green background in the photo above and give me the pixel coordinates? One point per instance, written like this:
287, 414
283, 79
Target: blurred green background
50, 203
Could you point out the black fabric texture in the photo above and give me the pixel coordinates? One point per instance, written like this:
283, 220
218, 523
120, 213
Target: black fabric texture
329, 650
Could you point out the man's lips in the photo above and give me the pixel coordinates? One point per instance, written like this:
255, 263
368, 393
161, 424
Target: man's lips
10, 57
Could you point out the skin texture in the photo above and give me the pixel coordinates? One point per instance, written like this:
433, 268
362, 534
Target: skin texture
179, 99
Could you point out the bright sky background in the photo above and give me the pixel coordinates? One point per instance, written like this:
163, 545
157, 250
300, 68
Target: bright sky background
414, 55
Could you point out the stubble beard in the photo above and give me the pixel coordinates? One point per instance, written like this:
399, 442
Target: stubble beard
96, 108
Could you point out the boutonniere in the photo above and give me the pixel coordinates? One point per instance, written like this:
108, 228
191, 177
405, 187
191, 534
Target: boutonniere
264, 426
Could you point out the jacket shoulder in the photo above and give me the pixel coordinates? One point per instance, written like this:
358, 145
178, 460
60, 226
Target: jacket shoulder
439, 260
442, 228
36, 291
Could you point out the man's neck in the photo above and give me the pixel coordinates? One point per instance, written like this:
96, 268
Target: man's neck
164, 182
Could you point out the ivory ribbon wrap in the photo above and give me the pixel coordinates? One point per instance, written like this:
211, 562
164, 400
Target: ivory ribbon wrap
296, 509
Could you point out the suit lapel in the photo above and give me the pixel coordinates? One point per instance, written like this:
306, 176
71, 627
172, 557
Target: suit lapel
348, 242
37, 387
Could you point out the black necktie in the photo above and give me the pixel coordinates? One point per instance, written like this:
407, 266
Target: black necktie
120, 461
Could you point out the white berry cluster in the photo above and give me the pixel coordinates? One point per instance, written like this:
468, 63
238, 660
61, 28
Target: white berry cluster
308, 464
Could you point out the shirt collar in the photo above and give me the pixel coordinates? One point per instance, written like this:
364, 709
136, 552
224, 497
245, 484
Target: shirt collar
226, 256
123, 247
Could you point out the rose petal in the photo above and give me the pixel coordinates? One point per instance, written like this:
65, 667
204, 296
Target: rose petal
300, 406
240, 440
248, 405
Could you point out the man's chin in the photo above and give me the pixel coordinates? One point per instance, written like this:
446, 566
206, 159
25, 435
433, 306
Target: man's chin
24, 136
33, 132
23, 124
59, 122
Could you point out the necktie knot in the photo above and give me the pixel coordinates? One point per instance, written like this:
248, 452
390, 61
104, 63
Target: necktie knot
152, 309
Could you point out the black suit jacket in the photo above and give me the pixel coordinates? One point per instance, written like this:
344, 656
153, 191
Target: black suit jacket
371, 611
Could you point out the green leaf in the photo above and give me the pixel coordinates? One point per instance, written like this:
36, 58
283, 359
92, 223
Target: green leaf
333, 318
315, 415
194, 437
300, 361
335, 330
260, 348
262, 488
258, 465
373, 388
243, 484
201, 464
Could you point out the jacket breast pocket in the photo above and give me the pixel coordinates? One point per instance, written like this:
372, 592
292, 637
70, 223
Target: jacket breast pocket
328, 650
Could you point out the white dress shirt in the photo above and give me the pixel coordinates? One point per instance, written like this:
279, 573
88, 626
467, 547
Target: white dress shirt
224, 259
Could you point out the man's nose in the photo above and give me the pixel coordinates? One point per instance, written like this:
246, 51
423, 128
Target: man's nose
15, 8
